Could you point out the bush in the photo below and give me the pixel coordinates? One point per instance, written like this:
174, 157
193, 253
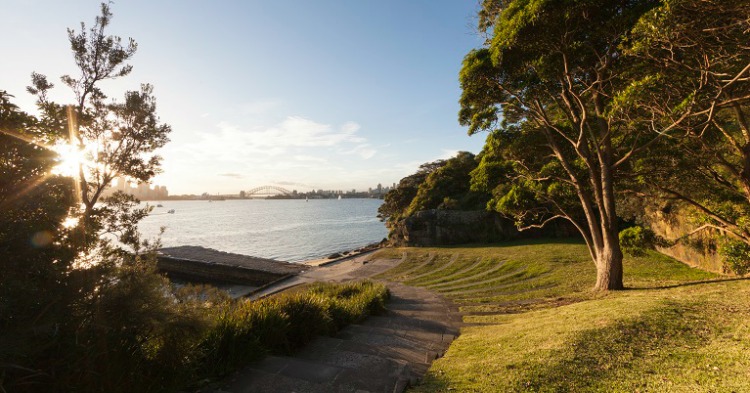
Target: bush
142, 338
352, 302
736, 257
636, 240
244, 330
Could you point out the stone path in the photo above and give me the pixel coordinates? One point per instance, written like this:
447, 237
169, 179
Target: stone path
382, 354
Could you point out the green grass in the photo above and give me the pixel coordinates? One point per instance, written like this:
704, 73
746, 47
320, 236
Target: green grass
542, 329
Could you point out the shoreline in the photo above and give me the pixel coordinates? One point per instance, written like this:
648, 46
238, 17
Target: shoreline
343, 255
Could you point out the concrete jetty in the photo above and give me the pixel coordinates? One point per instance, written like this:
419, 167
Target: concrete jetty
200, 264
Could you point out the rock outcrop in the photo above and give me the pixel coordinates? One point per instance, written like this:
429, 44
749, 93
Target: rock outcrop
445, 227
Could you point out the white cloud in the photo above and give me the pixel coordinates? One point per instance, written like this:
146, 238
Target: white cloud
350, 127
364, 151
296, 149
299, 138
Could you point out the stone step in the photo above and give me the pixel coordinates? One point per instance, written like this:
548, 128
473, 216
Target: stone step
298, 368
451, 320
435, 341
250, 380
397, 348
383, 354
395, 321
362, 367
287, 374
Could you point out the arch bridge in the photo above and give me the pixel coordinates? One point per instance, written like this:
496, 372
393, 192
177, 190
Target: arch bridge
266, 191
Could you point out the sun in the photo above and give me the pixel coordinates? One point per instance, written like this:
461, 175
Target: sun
70, 158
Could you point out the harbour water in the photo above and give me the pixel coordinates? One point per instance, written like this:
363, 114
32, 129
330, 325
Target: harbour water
288, 230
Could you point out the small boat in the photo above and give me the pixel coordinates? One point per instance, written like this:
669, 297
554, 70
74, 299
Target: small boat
339, 197
170, 211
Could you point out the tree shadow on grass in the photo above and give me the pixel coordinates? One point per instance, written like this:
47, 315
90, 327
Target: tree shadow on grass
687, 284
620, 352
518, 242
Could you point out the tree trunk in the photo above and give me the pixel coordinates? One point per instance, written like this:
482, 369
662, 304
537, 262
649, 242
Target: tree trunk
609, 267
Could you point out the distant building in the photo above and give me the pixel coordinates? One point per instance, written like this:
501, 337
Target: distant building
142, 191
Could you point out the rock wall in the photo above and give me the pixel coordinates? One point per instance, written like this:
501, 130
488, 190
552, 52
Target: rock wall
446, 227
697, 250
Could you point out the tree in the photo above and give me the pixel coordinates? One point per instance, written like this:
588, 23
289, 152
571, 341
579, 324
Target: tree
546, 85
702, 67
82, 311
33, 255
397, 201
117, 139
448, 187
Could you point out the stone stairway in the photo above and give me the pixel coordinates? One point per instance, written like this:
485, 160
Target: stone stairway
382, 354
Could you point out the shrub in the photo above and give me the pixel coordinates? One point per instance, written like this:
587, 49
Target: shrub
308, 315
736, 257
636, 240
244, 330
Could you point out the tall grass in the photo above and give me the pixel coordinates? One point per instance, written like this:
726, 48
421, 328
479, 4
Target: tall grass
143, 340
244, 331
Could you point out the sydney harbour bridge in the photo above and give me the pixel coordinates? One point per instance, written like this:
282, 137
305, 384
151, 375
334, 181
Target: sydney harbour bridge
267, 192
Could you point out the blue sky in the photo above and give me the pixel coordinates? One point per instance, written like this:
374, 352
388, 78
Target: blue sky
328, 94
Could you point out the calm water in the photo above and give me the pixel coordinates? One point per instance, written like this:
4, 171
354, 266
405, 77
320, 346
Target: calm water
287, 230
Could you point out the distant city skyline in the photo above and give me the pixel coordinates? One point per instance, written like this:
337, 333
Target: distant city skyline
330, 94
147, 191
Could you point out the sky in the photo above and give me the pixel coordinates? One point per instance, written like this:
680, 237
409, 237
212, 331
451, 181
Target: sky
324, 94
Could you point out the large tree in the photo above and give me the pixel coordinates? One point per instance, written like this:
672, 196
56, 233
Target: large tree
547, 86
702, 68
77, 309
113, 139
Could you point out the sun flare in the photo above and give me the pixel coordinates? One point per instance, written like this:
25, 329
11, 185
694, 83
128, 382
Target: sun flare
70, 157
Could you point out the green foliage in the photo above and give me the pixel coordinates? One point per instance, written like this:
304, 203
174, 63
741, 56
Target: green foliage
736, 256
444, 184
702, 94
397, 201
449, 187
79, 311
117, 137
33, 256
636, 240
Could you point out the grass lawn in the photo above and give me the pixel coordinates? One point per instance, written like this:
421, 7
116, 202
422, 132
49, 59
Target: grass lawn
535, 325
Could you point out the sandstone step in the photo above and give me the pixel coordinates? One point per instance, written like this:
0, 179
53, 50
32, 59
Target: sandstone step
394, 347
250, 380
362, 368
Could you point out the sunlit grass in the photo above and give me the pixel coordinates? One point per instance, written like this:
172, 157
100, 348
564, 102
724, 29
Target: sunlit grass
536, 324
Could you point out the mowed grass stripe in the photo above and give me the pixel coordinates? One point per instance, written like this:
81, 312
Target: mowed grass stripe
412, 263
457, 270
537, 326
521, 276
476, 276
416, 280
436, 262
483, 266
